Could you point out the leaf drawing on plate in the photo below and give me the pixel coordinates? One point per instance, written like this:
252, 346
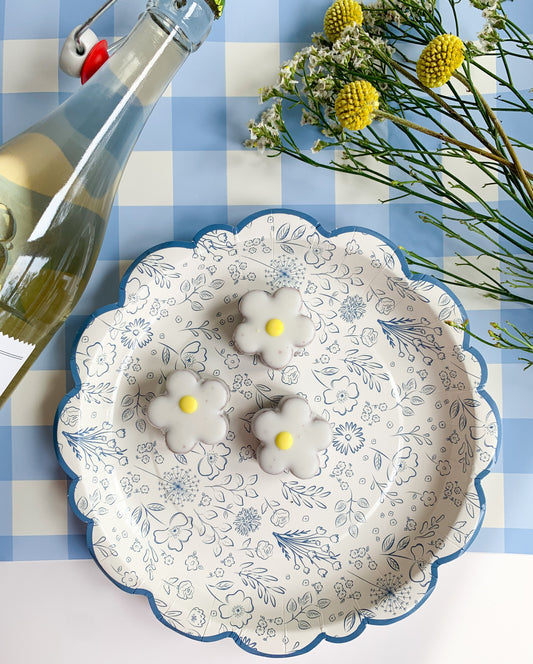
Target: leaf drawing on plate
262, 582
156, 267
366, 367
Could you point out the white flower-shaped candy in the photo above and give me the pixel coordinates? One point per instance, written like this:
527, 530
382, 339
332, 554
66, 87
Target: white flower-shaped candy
290, 438
273, 326
190, 411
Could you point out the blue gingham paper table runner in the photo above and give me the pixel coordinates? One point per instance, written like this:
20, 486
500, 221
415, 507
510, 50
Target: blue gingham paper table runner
189, 170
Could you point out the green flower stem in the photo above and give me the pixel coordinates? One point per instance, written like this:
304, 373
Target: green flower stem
452, 278
502, 339
448, 139
440, 101
518, 166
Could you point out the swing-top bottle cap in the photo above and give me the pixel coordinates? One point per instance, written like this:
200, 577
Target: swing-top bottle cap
217, 6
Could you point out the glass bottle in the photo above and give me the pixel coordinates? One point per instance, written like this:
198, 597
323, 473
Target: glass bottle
58, 179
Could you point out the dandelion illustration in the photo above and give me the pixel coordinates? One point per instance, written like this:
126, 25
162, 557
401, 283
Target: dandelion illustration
284, 271
178, 486
391, 593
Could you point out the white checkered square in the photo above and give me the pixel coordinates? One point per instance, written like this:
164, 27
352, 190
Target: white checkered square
36, 399
357, 190
147, 179
40, 507
250, 67
253, 179
31, 65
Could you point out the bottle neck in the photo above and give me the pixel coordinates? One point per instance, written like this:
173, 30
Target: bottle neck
189, 20
148, 58
96, 129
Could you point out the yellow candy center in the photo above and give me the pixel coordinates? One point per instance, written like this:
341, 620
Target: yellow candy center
188, 404
274, 327
284, 440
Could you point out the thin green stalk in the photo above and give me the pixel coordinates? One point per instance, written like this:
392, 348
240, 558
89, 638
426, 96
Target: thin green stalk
448, 139
518, 166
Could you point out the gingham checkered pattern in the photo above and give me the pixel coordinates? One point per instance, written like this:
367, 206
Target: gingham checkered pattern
189, 170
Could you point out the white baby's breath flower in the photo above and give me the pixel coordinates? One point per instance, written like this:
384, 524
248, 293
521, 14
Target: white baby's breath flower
308, 118
318, 146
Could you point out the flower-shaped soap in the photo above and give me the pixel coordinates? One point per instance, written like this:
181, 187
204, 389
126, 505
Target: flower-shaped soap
190, 411
290, 438
273, 326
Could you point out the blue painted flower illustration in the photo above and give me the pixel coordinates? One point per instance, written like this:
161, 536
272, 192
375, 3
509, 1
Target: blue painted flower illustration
237, 609
428, 498
100, 358
420, 570
348, 438
280, 518
341, 395
197, 617
194, 356
320, 250
178, 532
352, 308
403, 466
385, 305
284, 271
137, 295
130, 579
290, 375
232, 360
214, 460
264, 549
178, 486
369, 336
185, 589
247, 521
487, 432
136, 334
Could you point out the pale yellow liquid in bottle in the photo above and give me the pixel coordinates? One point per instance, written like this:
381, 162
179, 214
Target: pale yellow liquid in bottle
46, 255
55, 201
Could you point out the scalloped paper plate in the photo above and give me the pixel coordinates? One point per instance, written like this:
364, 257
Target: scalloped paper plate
219, 547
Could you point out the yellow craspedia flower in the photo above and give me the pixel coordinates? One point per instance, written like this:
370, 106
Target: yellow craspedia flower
340, 15
356, 105
441, 57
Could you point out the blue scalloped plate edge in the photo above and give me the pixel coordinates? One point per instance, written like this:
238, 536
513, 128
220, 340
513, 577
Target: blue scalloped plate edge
245, 644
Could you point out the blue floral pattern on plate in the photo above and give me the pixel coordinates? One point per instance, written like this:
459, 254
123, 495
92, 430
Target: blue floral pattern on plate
220, 547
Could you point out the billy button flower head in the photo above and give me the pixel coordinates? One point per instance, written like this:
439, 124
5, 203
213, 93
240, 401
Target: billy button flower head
356, 105
341, 15
438, 61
